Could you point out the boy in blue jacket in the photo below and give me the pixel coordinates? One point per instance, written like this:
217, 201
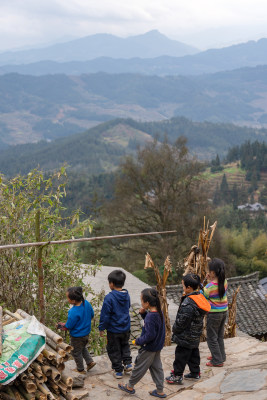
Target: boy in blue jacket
115, 319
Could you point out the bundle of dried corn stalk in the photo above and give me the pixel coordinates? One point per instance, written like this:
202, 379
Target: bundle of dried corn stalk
161, 288
230, 327
197, 260
45, 378
197, 263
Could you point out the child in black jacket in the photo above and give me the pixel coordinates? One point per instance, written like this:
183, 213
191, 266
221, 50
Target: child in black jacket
187, 330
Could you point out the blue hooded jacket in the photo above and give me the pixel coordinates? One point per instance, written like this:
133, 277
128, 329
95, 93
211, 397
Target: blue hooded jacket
115, 315
79, 319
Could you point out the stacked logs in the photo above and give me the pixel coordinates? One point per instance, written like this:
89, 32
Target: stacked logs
45, 378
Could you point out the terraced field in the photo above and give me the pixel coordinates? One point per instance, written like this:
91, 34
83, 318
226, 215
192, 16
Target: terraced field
234, 174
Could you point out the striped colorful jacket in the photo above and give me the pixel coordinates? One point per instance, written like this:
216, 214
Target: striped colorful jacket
211, 293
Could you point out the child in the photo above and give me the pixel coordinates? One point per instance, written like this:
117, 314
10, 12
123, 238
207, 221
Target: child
216, 293
187, 330
79, 325
151, 342
115, 319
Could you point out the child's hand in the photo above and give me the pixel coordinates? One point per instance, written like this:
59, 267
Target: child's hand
61, 326
142, 310
102, 333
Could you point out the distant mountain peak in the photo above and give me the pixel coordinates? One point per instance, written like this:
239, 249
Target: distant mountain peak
148, 45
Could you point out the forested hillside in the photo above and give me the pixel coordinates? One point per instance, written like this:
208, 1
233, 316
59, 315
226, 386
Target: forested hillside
101, 148
53, 106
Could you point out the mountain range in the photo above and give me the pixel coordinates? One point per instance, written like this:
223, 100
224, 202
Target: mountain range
149, 54
149, 45
101, 148
52, 106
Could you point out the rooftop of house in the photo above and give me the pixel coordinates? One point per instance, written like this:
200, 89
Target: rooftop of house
263, 283
252, 207
251, 315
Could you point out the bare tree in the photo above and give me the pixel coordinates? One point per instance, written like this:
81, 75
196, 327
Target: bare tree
160, 189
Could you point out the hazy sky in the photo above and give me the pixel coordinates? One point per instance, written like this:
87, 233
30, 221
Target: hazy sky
203, 23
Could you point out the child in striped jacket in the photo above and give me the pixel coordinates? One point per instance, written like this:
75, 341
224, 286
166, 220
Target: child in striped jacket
216, 293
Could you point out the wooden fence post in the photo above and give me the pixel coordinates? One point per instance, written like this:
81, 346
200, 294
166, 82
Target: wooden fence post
40, 269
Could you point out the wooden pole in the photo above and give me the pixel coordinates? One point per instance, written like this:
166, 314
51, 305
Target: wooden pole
40, 269
36, 244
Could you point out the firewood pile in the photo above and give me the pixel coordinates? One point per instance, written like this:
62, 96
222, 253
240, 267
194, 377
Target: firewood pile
44, 378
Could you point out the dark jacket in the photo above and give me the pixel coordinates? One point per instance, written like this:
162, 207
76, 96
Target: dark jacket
115, 316
153, 332
188, 325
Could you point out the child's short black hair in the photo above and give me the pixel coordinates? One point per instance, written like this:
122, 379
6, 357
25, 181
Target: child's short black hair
117, 277
192, 280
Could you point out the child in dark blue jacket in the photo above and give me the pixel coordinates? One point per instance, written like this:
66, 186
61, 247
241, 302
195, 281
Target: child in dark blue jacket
151, 341
115, 319
79, 325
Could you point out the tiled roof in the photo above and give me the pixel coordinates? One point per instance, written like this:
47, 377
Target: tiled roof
251, 302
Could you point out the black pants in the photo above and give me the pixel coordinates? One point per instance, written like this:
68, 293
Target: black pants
118, 349
185, 356
80, 351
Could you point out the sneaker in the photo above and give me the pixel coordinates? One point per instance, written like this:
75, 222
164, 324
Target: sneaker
175, 379
128, 368
118, 375
192, 376
209, 358
82, 372
91, 365
209, 364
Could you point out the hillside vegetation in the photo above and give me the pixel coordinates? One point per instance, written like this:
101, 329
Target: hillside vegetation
53, 106
101, 148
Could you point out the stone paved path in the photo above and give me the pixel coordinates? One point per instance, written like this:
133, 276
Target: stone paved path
243, 377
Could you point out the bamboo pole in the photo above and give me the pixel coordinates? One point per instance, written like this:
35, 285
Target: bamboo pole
40, 358
25, 395
34, 244
65, 347
50, 356
10, 392
52, 335
44, 389
9, 321
40, 396
68, 380
55, 375
12, 315
29, 386
46, 369
17, 394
